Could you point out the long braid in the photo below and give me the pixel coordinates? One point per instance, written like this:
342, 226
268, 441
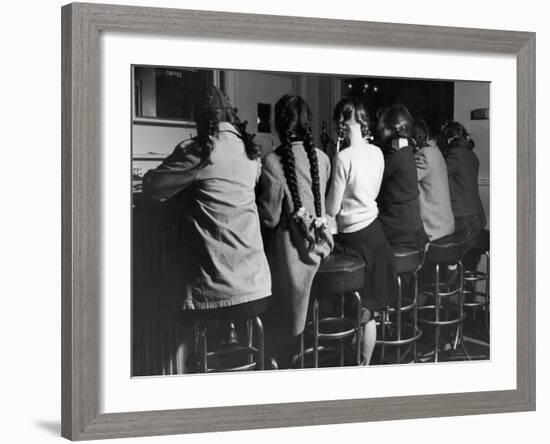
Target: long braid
205, 137
341, 134
314, 171
252, 150
289, 169
292, 120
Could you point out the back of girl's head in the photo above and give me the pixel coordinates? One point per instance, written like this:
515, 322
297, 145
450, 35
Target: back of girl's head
293, 121
351, 108
213, 108
394, 122
292, 117
453, 134
420, 133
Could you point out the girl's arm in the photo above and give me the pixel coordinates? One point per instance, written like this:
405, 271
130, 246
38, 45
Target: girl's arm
177, 172
452, 161
270, 194
421, 160
337, 187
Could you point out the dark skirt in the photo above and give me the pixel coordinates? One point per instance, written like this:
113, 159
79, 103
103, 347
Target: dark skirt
470, 227
370, 244
414, 239
230, 313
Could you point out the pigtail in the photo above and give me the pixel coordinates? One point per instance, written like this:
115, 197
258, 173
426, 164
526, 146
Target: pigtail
205, 136
351, 108
289, 169
341, 135
251, 149
314, 171
452, 135
292, 120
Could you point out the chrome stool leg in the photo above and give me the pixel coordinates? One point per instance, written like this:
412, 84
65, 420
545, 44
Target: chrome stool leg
342, 300
316, 333
358, 335
487, 290
398, 317
415, 313
437, 314
383, 323
250, 334
302, 351
204, 347
260, 339
461, 309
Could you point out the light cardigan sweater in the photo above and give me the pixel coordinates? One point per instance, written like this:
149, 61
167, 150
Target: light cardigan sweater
356, 177
435, 200
223, 259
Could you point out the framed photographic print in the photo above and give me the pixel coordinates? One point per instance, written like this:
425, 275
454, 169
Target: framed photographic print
278, 221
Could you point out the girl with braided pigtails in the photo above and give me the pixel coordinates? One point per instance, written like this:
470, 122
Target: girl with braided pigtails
291, 204
356, 179
213, 177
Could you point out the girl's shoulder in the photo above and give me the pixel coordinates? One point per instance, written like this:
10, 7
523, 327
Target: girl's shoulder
322, 156
375, 150
272, 161
186, 150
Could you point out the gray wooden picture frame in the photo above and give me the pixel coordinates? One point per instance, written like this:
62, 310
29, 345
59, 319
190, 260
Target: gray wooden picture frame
81, 172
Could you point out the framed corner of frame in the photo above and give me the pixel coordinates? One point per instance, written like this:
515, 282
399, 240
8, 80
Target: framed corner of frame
130, 82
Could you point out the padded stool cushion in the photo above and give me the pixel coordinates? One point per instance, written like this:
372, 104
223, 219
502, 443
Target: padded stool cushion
339, 273
405, 260
448, 250
232, 313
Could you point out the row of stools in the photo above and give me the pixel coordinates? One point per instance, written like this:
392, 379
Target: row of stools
439, 304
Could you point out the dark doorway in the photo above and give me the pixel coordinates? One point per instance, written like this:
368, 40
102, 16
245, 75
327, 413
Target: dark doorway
430, 100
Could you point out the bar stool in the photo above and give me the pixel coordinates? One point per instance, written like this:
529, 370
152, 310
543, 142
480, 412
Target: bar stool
442, 253
405, 262
242, 357
339, 276
472, 295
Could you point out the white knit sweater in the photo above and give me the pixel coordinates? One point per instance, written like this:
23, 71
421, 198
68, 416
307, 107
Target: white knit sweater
356, 177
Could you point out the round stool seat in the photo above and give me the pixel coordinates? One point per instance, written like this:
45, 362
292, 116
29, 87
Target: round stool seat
339, 273
230, 356
237, 312
405, 260
446, 251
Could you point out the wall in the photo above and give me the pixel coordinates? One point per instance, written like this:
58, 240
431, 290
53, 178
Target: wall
245, 89
470, 96
248, 88
31, 221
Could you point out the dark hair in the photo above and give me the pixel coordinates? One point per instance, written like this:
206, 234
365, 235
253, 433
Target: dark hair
394, 122
420, 133
351, 108
213, 108
453, 134
292, 122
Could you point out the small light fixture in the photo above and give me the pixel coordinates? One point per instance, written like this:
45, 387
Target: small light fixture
375, 89
350, 85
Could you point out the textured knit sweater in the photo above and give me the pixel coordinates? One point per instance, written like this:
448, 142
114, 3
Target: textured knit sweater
435, 200
293, 267
356, 177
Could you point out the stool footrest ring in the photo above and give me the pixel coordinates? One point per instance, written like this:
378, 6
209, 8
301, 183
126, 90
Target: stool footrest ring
407, 305
404, 341
343, 328
454, 321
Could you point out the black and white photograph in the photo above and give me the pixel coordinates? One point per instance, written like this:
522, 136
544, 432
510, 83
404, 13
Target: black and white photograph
286, 220
274, 222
